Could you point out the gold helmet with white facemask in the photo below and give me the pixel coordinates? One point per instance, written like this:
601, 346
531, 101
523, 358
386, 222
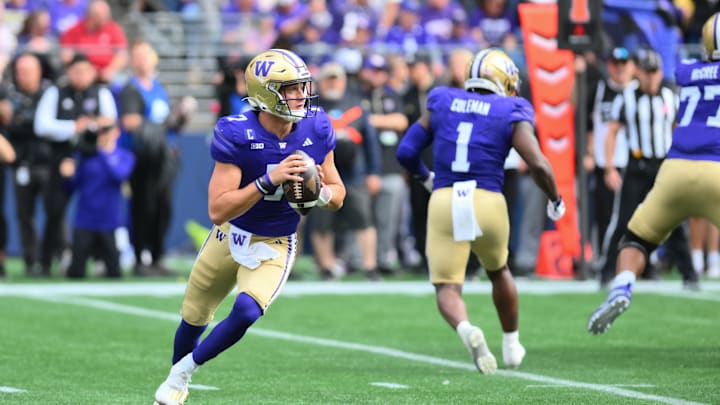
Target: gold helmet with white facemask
268, 74
492, 70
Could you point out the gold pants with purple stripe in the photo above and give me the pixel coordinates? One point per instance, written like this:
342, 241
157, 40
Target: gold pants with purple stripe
215, 273
447, 257
682, 189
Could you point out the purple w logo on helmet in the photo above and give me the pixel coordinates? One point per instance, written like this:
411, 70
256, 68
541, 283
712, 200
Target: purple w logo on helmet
262, 68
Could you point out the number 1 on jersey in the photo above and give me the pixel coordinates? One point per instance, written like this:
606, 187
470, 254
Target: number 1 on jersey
461, 163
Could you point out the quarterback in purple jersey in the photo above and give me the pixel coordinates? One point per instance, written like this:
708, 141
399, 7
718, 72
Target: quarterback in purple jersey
686, 185
252, 246
471, 132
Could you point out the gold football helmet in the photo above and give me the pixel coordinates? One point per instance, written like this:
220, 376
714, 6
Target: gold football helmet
266, 76
492, 70
711, 37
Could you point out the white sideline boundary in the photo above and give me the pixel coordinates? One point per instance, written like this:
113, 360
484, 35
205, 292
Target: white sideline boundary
384, 351
710, 290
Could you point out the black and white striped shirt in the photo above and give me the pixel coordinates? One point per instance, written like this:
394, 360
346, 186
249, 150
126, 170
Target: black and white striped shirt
648, 121
605, 95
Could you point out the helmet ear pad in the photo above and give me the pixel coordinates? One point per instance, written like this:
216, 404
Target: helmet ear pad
493, 70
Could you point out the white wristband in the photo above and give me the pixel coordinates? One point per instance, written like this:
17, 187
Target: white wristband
325, 196
428, 183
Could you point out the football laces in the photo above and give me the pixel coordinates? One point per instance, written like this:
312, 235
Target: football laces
297, 189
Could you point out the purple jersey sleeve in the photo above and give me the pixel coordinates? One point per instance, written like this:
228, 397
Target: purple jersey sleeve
523, 111
224, 145
437, 99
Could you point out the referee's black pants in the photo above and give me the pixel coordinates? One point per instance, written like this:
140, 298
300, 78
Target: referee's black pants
603, 200
638, 179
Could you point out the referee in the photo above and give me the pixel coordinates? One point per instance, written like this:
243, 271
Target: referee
647, 114
620, 75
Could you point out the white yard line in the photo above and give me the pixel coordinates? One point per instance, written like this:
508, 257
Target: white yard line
710, 289
610, 385
385, 351
11, 390
392, 386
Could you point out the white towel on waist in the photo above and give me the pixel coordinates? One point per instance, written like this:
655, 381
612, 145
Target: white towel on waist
465, 226
246, 254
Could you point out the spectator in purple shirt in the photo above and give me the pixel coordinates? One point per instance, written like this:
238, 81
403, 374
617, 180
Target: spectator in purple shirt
354, 19
408, 36
24, 5
64, 14
245, 28
290, 18
492, 24
436, 18
460, 36
320, 23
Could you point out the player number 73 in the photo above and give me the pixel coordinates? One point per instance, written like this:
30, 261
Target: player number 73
692, 95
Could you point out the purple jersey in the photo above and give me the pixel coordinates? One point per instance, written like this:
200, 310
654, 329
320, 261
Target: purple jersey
697, 134
242, 141
494, 29
64, 16
472, 135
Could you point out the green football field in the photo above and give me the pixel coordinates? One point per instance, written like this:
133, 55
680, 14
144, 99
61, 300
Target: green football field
359, 343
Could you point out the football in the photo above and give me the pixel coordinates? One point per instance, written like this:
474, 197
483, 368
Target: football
302, 196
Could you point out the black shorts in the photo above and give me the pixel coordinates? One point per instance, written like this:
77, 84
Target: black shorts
354, 215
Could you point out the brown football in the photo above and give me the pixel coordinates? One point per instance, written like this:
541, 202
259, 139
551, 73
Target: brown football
302, 196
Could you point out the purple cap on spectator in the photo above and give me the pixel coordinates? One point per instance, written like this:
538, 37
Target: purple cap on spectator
375, 61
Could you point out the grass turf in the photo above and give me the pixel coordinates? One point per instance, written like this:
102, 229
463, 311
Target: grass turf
64, 353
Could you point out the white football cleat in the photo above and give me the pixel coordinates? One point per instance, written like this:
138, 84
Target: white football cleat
513, 354
476, 345
617, 302
174, 390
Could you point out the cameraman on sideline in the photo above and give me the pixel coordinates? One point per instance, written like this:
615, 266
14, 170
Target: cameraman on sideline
70, 117
97, 172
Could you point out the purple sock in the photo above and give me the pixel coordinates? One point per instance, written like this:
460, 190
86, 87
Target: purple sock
187, 338
244, 313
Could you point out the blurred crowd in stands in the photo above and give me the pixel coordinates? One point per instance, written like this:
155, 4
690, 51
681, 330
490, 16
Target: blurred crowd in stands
374, 62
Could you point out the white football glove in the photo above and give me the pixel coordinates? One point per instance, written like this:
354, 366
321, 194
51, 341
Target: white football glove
556, 209
325, 196
428, 183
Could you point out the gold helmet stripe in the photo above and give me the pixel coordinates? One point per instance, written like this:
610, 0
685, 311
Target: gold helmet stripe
477, 64
296, 61
716, 31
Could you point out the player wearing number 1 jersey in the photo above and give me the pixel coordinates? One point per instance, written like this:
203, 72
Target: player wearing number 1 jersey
686, 185
471, 132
